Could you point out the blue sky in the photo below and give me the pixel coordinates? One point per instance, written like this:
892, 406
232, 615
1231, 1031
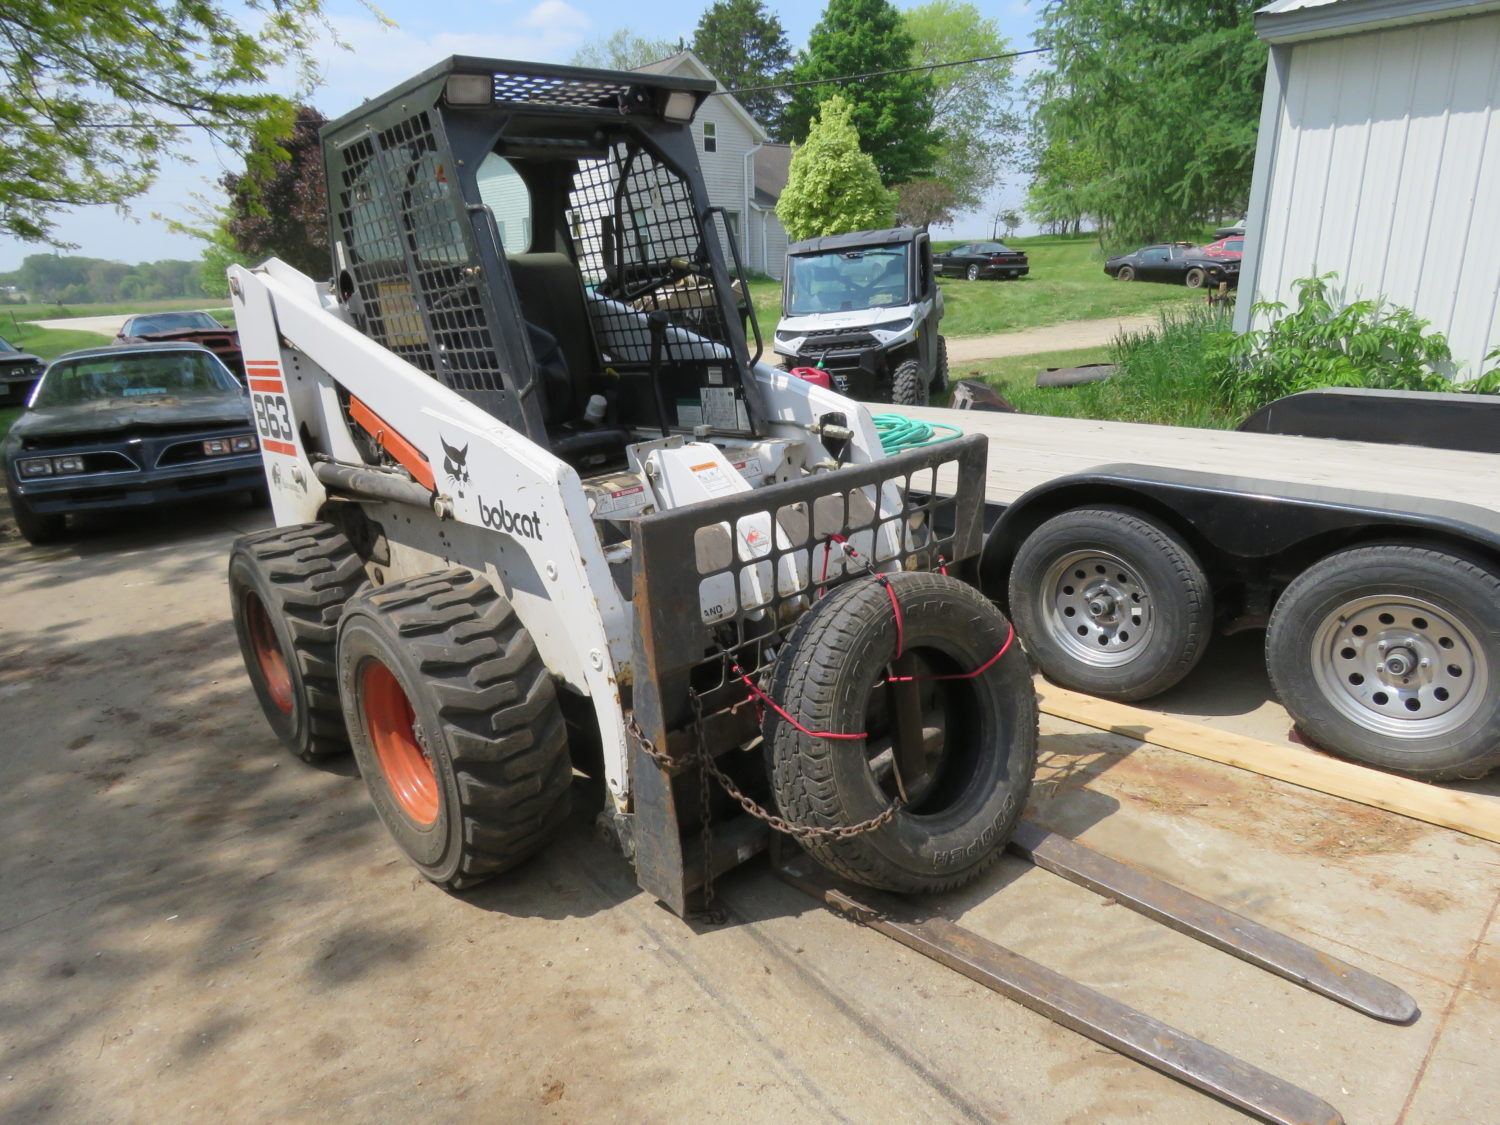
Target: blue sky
379, 56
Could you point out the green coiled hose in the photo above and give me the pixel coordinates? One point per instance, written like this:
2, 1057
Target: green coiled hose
899, 433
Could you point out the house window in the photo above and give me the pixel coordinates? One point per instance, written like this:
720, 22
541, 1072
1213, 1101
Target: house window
710, 137
734, 223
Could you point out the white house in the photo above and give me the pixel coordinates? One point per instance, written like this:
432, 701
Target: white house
743, 170
1379, 157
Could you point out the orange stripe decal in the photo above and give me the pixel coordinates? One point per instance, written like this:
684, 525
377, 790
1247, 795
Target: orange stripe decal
278, 447
266, 385
406, 454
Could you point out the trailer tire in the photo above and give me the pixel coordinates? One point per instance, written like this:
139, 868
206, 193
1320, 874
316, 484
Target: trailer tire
1110, 603
455, 725
287, 588
829, 677
908, 388
1340, 625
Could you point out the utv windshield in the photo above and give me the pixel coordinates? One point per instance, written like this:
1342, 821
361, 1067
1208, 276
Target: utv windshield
869, 277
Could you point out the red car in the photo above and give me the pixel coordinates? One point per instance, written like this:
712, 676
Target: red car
1231, 247
187, 328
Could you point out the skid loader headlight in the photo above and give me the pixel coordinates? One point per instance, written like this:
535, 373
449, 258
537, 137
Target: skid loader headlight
469, 89
680, 107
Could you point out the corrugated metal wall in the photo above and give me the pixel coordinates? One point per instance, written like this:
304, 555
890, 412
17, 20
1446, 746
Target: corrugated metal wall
1387, 169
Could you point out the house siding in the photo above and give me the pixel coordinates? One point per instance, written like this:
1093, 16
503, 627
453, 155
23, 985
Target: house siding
724, 170
1385, 166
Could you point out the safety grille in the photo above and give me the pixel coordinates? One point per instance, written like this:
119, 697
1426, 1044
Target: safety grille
537, 89
726, 581
405, 246
644, 255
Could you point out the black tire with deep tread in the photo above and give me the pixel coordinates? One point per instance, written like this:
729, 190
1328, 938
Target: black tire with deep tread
1182, 600
908, 388
37, 528
940, 380
303, 576
1461, 586
489, 716
824, 677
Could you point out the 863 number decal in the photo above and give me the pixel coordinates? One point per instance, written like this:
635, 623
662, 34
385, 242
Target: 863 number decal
272, 418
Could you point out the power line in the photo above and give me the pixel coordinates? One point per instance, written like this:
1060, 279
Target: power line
882, 73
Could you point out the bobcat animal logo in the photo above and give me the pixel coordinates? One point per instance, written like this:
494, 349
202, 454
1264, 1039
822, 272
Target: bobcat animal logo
455, 462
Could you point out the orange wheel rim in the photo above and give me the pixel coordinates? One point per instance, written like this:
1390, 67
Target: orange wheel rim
391, 724
268, 655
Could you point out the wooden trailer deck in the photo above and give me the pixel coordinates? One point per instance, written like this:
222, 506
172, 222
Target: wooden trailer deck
1027, 450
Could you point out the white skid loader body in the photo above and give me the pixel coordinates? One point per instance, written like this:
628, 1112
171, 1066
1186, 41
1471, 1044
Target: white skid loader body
503, 506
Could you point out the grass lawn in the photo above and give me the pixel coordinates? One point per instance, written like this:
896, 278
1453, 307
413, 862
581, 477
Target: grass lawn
1015, 376
1067, 282
48, 343
122, 308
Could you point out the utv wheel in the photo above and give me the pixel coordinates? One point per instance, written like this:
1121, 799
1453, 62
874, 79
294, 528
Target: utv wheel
1391, 656
1109, 603
1125, 273
455, 725
37, 528
940, 380
1195, 278
972, 273
979, 734
287, 588
908, 388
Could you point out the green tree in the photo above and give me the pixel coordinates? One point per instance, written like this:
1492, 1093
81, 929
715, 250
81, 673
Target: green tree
745, 46
892, 113
98, 94
971, 105
623, 50
1165, 96
1062, 178
832, 186
278, 206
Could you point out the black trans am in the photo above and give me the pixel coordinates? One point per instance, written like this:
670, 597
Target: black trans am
1176, 262
19, 372
125, 427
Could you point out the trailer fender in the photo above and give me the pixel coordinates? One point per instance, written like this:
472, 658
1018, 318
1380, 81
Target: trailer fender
1240, 517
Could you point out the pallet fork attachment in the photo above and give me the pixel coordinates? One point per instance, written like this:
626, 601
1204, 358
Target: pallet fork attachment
1096, 1016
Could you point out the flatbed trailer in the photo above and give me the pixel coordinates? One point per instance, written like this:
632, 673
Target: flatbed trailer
1121, 548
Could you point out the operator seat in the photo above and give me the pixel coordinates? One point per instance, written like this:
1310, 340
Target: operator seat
550, 290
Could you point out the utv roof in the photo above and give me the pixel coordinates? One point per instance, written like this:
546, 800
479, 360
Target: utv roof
854, 239
531, 85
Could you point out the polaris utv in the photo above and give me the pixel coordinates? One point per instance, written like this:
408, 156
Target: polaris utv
864, 307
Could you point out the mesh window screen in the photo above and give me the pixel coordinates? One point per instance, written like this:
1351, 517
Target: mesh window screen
404, 236
643, 254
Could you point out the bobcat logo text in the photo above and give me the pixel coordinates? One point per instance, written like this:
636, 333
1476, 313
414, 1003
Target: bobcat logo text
513, 523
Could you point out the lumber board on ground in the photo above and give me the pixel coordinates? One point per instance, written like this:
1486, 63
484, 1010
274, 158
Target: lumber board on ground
1471, 813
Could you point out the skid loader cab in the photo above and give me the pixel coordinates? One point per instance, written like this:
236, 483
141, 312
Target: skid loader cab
538, 239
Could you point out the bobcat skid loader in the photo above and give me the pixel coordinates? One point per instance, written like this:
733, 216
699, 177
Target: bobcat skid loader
540, 506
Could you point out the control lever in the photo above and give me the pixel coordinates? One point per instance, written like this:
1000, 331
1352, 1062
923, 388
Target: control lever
657, 323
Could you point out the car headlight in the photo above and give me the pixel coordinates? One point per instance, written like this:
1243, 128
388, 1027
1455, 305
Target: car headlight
240, 443
50, 466
892, 326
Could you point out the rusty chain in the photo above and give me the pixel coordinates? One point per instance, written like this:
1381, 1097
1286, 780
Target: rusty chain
707, 766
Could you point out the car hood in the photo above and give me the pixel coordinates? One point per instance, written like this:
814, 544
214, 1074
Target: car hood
9, 358
160, 412
851, 319
189, 336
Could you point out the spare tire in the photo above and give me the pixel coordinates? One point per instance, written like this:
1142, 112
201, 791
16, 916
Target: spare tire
978, 732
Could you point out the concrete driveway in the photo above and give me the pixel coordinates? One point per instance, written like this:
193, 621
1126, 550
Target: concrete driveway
194, 927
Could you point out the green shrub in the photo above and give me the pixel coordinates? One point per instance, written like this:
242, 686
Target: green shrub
1362, 344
